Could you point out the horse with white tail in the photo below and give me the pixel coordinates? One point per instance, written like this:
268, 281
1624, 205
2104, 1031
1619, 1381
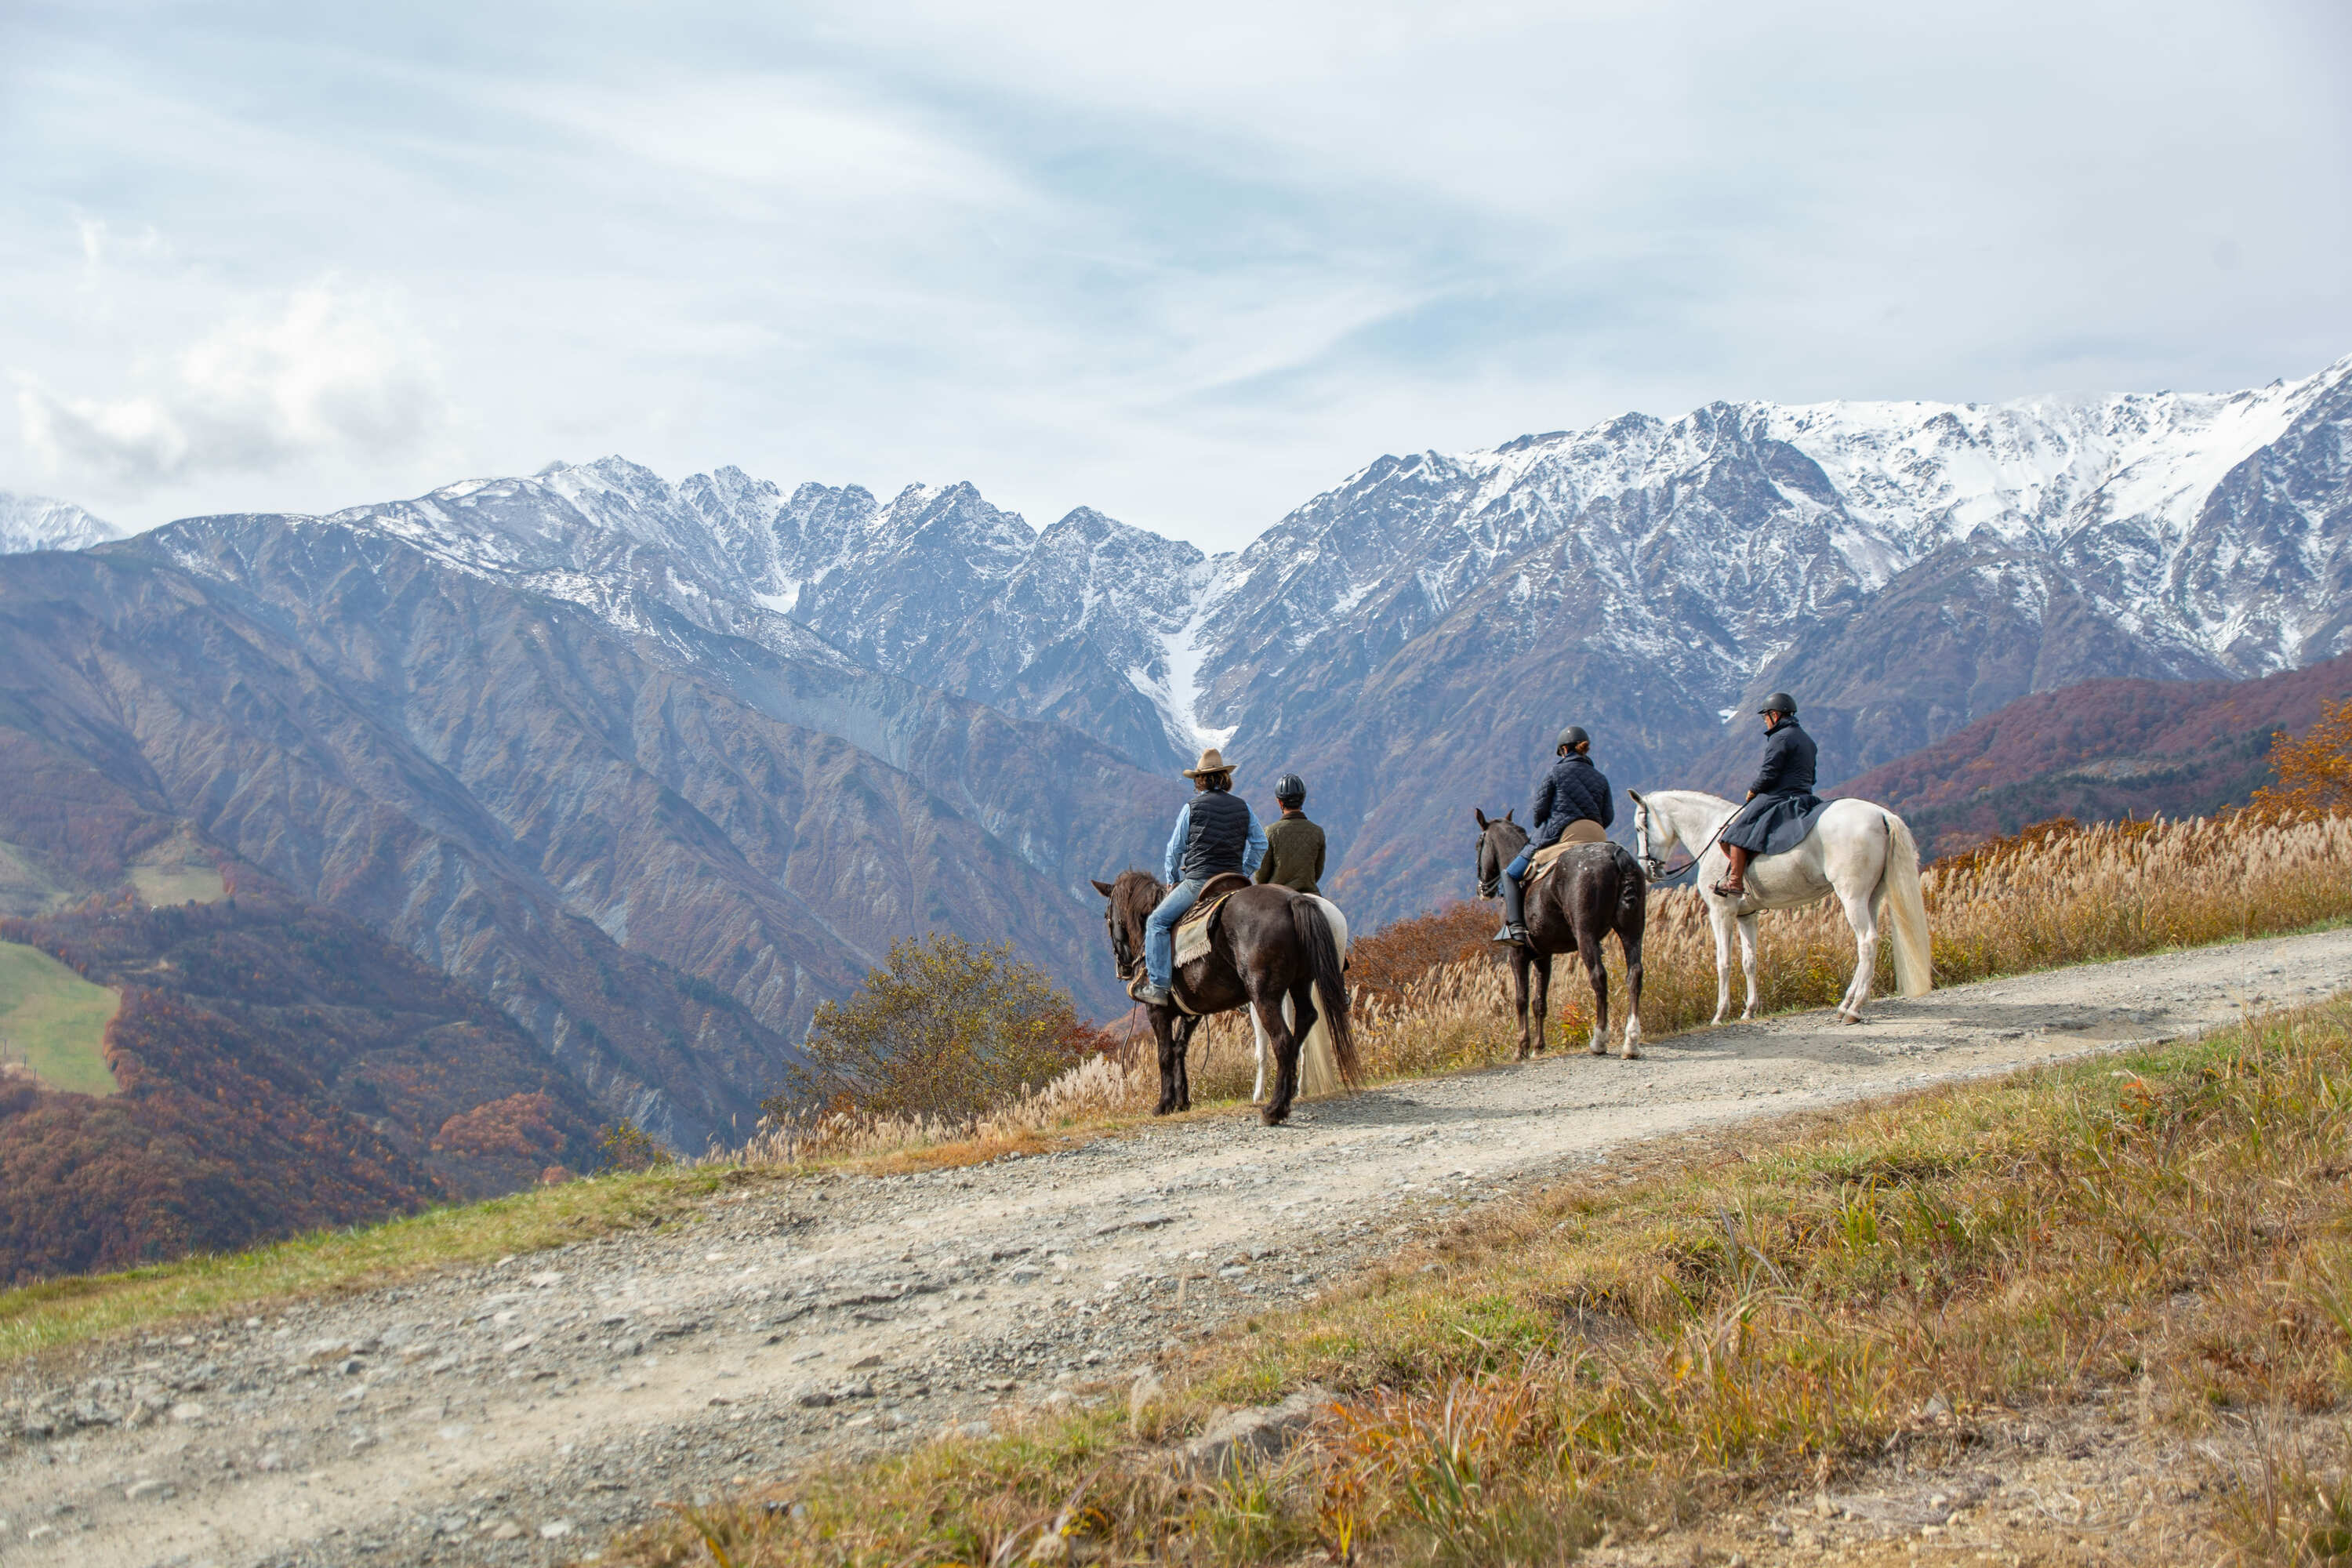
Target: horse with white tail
1860, 852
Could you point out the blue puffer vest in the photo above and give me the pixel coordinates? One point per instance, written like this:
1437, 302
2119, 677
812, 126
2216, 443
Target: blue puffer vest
1219, 835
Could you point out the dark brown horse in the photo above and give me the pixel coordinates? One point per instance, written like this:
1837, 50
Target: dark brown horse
1591, 890
1268, 943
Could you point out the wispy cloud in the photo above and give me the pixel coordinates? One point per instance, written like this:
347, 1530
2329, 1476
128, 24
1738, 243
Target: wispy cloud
332, 374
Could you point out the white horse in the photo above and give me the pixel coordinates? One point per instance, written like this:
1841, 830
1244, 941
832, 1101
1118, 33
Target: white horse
1861, 852
1319, 1069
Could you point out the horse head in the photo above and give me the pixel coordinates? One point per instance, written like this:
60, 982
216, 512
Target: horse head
1499, 838
1652, 859
1128, 902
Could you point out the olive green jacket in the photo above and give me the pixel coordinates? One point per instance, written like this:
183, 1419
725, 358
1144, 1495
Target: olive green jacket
1294, 854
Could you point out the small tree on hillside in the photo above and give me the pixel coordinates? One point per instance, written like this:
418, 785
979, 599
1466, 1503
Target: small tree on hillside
944, 1029
2313, 769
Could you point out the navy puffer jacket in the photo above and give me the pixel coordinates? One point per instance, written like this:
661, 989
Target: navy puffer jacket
1573, 789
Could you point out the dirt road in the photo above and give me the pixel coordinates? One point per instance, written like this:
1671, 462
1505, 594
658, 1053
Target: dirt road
518, 1413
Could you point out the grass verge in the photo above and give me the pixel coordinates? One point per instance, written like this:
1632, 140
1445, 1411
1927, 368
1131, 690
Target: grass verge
55, 1312
1884, 1279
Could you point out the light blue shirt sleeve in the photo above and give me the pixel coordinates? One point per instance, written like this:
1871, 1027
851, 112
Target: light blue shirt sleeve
1256, 851
1175, 857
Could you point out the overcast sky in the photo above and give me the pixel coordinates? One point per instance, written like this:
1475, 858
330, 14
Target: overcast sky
1188, 265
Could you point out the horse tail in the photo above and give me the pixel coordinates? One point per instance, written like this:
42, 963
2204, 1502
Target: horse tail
1632, 889
1328, 970
1904, 907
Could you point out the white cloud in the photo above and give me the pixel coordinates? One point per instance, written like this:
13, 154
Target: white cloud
335, 373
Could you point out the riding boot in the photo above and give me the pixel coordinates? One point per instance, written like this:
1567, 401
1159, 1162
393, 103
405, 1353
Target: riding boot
1735, 883
1515, 922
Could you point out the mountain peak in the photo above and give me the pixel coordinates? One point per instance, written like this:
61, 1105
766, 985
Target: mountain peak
42, 522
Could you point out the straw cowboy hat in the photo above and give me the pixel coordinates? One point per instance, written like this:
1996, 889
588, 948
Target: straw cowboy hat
1212, 761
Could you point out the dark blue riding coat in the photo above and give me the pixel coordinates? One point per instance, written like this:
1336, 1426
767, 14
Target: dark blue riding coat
1573, 789
1782, 813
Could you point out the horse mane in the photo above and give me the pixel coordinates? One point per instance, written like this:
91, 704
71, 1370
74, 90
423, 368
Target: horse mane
1123, 891
1672, 797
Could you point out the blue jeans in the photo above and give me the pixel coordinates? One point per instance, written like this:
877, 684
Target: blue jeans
1160, 931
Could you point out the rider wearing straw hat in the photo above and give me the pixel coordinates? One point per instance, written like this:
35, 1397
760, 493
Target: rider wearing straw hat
1216, 832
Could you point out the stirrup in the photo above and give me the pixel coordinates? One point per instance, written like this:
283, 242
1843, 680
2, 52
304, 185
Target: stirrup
1517, 936
1150, 995
1725, 890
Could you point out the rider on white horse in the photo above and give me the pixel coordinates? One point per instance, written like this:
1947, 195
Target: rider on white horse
1781, 805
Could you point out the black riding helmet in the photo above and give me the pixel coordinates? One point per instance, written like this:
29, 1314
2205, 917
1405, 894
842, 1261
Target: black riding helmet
1289, 789
1573, 735
1779, 702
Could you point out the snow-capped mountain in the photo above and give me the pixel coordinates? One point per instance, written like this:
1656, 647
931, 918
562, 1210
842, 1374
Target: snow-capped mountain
1413, 636
38, 523
1410, 637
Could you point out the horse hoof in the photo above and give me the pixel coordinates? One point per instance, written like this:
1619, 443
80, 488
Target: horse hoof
1632, 1053
1596, 1050
1272, 1117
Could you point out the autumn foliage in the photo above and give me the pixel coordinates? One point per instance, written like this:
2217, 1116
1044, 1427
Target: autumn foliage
944, 1029
1382, 965
2313, 769
280, 1069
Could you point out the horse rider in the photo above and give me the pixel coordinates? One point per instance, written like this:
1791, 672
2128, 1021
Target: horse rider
1294, 845
1215, 832
1573, 791
1781, 795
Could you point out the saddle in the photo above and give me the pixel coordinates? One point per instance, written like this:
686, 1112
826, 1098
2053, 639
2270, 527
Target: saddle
1583, 831
1214, 892
1192, 931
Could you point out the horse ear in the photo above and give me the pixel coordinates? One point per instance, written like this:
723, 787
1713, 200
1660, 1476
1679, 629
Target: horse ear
1508, 814
1480, 813
1102, 888
1636, 796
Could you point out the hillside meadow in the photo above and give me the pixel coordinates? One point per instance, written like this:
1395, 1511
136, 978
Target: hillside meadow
53, 1023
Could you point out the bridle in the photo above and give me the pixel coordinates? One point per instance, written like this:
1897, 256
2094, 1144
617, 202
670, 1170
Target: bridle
1122, 952
1652, 866
1122, 943
1488, 885
1655, 867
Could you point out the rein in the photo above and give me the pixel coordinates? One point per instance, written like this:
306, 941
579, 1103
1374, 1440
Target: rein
1650, 860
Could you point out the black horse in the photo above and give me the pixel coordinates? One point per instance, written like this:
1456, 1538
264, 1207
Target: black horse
1268, 943
1591, 890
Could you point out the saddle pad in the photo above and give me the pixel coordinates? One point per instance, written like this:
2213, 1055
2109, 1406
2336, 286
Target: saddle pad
1583, 830
1193, 931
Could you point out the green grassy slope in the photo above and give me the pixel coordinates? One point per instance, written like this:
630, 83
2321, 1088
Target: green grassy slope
55, 1021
